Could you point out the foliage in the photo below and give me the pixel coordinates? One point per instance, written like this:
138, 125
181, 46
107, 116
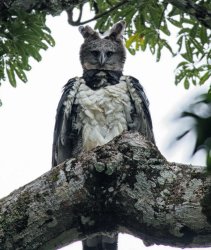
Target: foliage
196, 68
22, 35
200, 112
148, 26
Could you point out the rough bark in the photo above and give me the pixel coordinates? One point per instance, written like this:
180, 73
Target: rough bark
55, 7
125, 186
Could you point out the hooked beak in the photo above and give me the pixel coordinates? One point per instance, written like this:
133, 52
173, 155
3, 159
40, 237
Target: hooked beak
102, 58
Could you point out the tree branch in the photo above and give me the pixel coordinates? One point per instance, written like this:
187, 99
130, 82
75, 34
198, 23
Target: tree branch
70, 16
55, 7
78, 22
124, 186
202, 14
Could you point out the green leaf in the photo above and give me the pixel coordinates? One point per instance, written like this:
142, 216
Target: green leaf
174, 12
132, 51
180, 76
21, 74
204, 78
49, 39
184, 31
128, 14
45, 28
155, 14
180, 43
169, 48
42, 45
194, 30
34, 53
143, 44
194, 81
188, 20
37, 30
2, 65
158, 55
176, 23
26, 67
152, 49
185, 56
182, 64
198, 45
189, 52
26, 35
203, 35
11, 75
186, 83
131, 39
165, 30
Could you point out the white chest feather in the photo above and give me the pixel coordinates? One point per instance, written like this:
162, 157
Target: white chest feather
104, 113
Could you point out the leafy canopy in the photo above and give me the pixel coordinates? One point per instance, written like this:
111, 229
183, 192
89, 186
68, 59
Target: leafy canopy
149, 25
22, 35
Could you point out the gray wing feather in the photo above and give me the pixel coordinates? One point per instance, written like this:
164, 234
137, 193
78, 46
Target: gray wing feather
65, 138
141, 117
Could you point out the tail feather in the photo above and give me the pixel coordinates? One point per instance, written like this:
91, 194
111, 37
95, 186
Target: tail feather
101, 242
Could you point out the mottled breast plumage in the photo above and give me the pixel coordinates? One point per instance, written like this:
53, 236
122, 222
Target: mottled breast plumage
103, 113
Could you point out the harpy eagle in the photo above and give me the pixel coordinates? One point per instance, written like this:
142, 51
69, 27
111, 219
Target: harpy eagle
99, 106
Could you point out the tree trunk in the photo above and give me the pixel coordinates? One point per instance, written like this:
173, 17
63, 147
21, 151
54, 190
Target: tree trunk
125, 186
55, 7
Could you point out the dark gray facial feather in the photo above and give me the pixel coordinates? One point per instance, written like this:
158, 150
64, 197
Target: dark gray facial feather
106, 53
102, 54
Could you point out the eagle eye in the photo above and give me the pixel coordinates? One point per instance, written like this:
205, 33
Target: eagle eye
109, 53
95, 53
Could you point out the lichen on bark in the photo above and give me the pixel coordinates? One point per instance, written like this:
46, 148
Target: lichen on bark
135, 190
